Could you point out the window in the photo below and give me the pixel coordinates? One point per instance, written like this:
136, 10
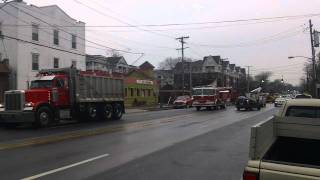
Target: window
56, 37
74, 64
74, 41
60, 83
143, 93
0, 57
55, 62
35, 61
138, 92
125, 92
149, 92
303, 111
131, 92
35, 32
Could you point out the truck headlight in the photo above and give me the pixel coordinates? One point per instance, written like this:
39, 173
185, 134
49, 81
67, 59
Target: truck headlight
1, 106
28, 104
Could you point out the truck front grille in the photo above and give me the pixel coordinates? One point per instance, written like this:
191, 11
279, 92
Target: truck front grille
13, 101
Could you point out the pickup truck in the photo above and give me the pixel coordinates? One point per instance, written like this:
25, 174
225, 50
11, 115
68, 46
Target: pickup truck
286, 146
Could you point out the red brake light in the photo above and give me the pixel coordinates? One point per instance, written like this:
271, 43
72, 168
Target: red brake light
250, 176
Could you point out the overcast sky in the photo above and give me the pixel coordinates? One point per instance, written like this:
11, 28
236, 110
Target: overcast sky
264, 46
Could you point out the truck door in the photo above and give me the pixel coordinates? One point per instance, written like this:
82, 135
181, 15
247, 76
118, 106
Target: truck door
63, 91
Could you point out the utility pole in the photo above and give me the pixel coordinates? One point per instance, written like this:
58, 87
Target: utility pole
248, 79
313, 57
181, 40
190, 77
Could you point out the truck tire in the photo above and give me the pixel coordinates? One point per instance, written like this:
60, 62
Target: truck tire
92, 113
198, 108
117, 111
238, 109
44, 116
107, 112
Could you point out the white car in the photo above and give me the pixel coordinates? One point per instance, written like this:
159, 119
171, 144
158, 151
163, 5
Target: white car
279, 101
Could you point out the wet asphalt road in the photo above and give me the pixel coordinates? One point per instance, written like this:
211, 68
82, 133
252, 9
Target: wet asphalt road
173, 144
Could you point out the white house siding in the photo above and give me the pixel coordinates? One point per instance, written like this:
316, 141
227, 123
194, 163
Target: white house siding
20, 53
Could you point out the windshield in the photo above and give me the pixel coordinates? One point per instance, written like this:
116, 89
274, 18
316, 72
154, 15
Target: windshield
197, 92
41, 84
208, 91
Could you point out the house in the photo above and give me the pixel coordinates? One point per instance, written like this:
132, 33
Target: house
211, 70
118, 64
96, 63
107, 64
39, 38
141, 87
164, 77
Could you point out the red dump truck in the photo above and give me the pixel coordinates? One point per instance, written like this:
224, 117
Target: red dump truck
64, 93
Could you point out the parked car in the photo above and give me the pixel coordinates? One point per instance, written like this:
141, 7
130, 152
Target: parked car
182, 102
279, 101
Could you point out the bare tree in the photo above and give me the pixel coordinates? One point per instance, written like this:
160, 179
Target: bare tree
169, 63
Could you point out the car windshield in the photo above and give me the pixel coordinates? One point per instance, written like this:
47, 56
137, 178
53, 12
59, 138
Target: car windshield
208, 91
197, 92
41, 84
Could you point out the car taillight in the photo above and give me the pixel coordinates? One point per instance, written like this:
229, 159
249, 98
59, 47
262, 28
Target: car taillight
250, 176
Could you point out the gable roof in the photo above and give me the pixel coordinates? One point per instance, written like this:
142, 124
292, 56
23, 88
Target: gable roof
131, 71
232, 66
225, 63
146, 66
115, 60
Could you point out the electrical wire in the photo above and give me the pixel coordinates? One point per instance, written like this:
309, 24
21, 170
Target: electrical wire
121, 21
113, 49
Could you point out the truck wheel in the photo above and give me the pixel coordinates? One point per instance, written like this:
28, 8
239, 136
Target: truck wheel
259, 108
117, 111
107, 112
44, 117
238, 109
198, 108
92, 113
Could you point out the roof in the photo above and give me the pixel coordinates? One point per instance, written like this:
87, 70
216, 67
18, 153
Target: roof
225, 63
146, 65
304, 102
95, 58
232, 66
114, 60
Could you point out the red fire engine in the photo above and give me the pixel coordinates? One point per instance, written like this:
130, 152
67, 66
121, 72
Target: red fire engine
212, 97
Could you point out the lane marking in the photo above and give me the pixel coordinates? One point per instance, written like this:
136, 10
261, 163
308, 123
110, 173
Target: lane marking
65, 167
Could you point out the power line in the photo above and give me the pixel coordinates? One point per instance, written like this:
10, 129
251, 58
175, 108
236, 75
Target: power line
124, 51
289, 17
121, 21
268, 39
